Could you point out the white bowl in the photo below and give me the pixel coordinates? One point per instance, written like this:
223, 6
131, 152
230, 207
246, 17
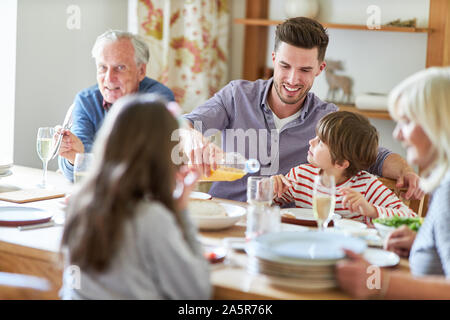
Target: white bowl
351, 225
234, 214
383, 230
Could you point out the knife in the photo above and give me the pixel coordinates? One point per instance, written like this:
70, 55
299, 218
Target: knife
67, 124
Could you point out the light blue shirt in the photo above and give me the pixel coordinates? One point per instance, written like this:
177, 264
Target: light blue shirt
88, 115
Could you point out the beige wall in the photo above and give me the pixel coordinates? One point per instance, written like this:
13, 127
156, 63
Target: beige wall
54, 63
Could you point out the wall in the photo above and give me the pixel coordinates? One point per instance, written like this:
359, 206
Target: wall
8, 22
54, 63
376, 61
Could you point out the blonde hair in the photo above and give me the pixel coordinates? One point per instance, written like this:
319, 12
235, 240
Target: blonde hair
424, 98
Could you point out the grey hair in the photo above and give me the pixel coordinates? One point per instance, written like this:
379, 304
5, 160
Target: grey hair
141, 51
424, 98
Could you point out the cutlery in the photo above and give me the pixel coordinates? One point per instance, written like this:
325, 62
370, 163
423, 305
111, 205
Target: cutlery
67, 124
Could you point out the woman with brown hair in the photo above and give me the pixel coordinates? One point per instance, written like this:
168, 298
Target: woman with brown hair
128, 233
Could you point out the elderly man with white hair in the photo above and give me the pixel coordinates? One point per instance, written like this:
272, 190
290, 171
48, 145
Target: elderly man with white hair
121, 59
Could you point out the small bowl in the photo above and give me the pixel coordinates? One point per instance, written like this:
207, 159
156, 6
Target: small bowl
383, 230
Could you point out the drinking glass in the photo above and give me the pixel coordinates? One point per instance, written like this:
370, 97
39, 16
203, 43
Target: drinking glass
81, 166
44, 146
259, 190
324, 199
262, 219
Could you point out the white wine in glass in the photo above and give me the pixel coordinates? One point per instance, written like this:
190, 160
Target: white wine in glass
323, 199
44, 146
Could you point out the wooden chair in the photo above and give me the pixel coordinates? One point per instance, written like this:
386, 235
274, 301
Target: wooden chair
418, 206
15, 286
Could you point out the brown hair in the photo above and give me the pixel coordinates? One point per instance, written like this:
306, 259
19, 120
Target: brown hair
351, 137
133, 163
303, 33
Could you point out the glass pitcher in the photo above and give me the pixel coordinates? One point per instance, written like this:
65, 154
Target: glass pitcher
232, 166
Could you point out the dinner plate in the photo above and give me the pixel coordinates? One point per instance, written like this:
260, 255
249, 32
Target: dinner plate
22, 216
317, 248
304, 217
5, 174
381, 258
200, 195
234, 214
5, 167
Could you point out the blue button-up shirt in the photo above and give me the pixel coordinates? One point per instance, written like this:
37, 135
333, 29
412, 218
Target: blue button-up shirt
240, 112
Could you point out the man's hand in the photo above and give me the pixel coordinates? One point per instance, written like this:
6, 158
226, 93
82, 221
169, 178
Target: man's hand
400, 241
70, 144
409, 179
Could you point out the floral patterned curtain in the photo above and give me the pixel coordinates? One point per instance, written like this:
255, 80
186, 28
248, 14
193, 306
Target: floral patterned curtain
188, 42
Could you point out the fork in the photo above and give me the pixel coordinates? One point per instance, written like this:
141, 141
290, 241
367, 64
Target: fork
67, 125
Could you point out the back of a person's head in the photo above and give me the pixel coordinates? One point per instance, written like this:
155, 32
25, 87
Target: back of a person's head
136, 138
304, 33
132, 163
351, 137
424, 98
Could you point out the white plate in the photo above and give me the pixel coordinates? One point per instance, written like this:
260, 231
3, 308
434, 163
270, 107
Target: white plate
350, 225
321, 248
19, 216
305, 214
293, 227
381, 258
5, 174
234, 214
199, 195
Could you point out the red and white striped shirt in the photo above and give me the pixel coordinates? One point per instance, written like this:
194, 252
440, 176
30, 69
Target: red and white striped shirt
374, 191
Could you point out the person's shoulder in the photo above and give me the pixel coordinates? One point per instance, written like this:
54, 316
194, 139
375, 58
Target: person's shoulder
90, 92
321, 106
153, 212
149, 85
443, 192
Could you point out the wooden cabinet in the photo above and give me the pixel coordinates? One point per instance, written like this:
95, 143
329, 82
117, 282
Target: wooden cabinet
256, 23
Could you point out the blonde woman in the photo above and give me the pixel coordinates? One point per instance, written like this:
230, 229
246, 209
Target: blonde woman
126, 231
421, 107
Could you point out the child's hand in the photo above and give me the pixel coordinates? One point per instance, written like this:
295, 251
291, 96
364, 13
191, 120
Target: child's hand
281, 184
355, 202
186, 178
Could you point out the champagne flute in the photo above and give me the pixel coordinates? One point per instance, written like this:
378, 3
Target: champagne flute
44, 149
323, 199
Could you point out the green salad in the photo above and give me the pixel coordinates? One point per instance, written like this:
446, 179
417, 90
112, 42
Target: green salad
413, 223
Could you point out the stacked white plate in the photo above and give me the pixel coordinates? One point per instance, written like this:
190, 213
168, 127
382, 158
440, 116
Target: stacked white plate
5, 170
300, 259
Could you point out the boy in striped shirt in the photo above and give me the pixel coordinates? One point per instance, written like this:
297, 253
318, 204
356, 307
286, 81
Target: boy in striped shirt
345, 145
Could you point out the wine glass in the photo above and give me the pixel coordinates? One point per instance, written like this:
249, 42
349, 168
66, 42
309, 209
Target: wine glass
44, 147
81, 166
323, 199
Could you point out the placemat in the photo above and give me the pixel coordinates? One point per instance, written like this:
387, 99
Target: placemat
30, 195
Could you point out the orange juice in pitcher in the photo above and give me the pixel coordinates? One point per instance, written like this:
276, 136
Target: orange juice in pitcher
232, 167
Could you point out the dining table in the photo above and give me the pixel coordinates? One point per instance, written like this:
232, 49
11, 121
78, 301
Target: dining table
38, 252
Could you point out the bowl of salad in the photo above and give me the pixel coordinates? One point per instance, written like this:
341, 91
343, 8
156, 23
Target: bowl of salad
386, 225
